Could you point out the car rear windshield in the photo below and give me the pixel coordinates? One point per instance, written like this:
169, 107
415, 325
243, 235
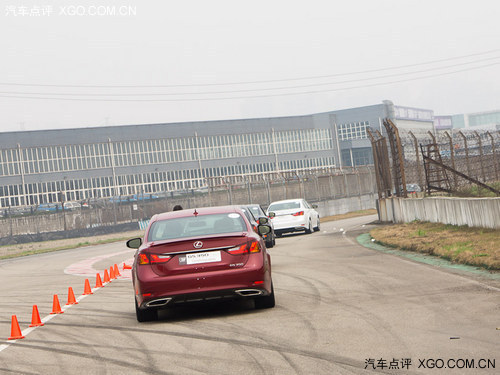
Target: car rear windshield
194, 226
256, 211
283, 206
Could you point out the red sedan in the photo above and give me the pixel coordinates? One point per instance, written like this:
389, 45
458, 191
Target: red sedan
198, 255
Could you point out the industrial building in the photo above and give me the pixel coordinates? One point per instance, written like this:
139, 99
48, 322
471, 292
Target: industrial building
46, 166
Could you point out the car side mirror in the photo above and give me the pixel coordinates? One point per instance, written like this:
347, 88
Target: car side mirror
264, 229
263, 220
134, 243
272, 214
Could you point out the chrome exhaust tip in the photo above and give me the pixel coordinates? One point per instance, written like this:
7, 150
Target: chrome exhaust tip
158, 302
248, 292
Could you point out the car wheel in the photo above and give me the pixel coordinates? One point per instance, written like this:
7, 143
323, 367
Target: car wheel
309, 228
269, 244
317, 228
145, 315
266, 302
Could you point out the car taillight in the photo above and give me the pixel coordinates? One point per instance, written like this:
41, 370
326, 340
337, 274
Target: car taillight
159, 258
239, 250
153, 258
143, 259
252, 247
300, 213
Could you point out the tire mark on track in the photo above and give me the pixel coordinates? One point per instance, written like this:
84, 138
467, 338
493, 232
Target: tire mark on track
125, 364
264, 339
11, 371
329, 357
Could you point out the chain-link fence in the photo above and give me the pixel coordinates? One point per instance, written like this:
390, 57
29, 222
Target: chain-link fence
314, 185
457, 162
472, 154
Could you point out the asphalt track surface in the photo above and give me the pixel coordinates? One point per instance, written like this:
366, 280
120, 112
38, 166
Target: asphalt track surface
340, 309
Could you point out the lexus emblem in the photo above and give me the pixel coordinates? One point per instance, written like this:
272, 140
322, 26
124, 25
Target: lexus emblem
198, 244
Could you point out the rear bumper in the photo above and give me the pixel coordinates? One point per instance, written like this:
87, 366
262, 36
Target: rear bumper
290, 224
166, 291
290, 230
206, 296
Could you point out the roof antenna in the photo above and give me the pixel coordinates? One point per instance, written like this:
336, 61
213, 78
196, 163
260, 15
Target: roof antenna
195, 213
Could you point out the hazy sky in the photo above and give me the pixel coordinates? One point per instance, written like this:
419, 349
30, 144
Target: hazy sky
66, 64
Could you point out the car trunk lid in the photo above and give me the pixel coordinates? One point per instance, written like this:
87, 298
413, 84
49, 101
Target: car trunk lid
184, 256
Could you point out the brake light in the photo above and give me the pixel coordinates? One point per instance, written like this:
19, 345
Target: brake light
143, 259
239, 250
159, 258
300, 213
153, 258
254, 247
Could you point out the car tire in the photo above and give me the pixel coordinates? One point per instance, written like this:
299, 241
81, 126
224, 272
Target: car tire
266, 302
145, 315
310, 228
269, 244
274, 241
317, 228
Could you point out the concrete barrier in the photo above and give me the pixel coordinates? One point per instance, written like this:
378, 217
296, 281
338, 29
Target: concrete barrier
473, 212
345, 205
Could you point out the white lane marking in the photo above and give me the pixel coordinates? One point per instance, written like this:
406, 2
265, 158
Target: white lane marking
45, 319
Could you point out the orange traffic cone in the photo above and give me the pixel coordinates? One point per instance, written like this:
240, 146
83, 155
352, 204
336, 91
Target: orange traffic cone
112, 275
15, 330
126, 267
56, 307
35, 318
117, 271
87, 290
98, 281
106, 276
71, 297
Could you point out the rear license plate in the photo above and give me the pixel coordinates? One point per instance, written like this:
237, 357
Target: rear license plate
196, 258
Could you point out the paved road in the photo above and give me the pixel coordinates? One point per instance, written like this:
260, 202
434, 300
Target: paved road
340, 308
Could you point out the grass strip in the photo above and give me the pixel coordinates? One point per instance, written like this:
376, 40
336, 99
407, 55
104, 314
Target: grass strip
478, 247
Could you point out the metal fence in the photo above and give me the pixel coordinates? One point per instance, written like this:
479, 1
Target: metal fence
447, 161
314, 185
471, 153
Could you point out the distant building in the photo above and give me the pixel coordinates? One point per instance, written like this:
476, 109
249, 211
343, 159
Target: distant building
47, 166
414, 119
443, 123
481, 120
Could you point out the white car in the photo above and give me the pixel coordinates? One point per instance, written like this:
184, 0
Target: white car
293, 215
